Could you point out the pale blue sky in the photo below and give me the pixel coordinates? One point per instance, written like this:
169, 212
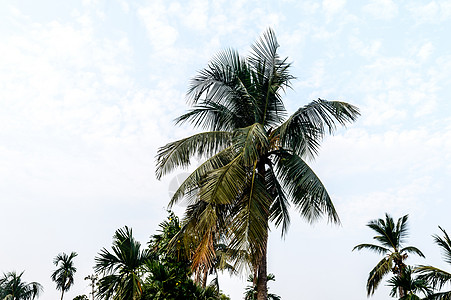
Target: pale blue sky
89, 89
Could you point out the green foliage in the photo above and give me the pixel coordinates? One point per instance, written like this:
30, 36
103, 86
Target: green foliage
251, 290
121, 270
409, 285
391, 238
64, 275
81, 297
168, 272
13, 288
437, 277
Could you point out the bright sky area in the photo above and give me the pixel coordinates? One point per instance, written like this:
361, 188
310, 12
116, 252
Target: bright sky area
89, 91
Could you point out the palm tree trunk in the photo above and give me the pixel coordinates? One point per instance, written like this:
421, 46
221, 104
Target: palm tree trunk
262, 267
262, 282
62, 294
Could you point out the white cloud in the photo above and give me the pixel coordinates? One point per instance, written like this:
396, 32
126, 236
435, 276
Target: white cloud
381, 9
366, 49
332, 7
161, 34
425, 51
432, 12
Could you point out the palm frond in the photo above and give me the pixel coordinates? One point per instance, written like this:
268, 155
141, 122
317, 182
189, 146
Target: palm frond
304, 130
252, 142
374, 248
279, 210
411, 249
305, 189
189, 187
224, 185
437, 277
248, 229
445, 245
179, 153
377, 273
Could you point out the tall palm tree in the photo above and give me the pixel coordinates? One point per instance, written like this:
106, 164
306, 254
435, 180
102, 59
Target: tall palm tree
436, 276
121, 269
64, 275
410, 284
255, 155
13, 288
391, 238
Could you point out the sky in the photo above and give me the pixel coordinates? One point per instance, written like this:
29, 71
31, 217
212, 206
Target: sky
89, 91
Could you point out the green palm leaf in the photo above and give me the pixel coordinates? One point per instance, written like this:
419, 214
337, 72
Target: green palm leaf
305, 189
304, 130
179, 153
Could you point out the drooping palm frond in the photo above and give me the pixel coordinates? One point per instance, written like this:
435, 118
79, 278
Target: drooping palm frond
247, 229
190, 186
437, 277
279, 210
226, 184
377, 274
180, 153
305, 189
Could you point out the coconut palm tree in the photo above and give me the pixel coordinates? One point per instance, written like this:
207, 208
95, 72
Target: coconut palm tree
64, 275
410, 284
255, 155
436, 276
13, 288
121, 269
391, 238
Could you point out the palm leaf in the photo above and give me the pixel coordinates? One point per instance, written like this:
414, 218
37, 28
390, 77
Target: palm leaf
279, 210
374, 248
377, 273
304, 130
189, 187
305, 189
179, 153
252, 142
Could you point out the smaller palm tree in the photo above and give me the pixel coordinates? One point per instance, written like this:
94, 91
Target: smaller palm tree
121, 269
64, 275
436, 276
13, 288
410, 284
251, 290
391, 238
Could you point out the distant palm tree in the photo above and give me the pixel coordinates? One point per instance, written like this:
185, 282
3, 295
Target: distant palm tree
121, 269
64, 275
409, 284
13, 288
391, 237
438, 277
251, 290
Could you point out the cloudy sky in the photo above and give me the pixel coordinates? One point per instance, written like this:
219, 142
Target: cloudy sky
89, 90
